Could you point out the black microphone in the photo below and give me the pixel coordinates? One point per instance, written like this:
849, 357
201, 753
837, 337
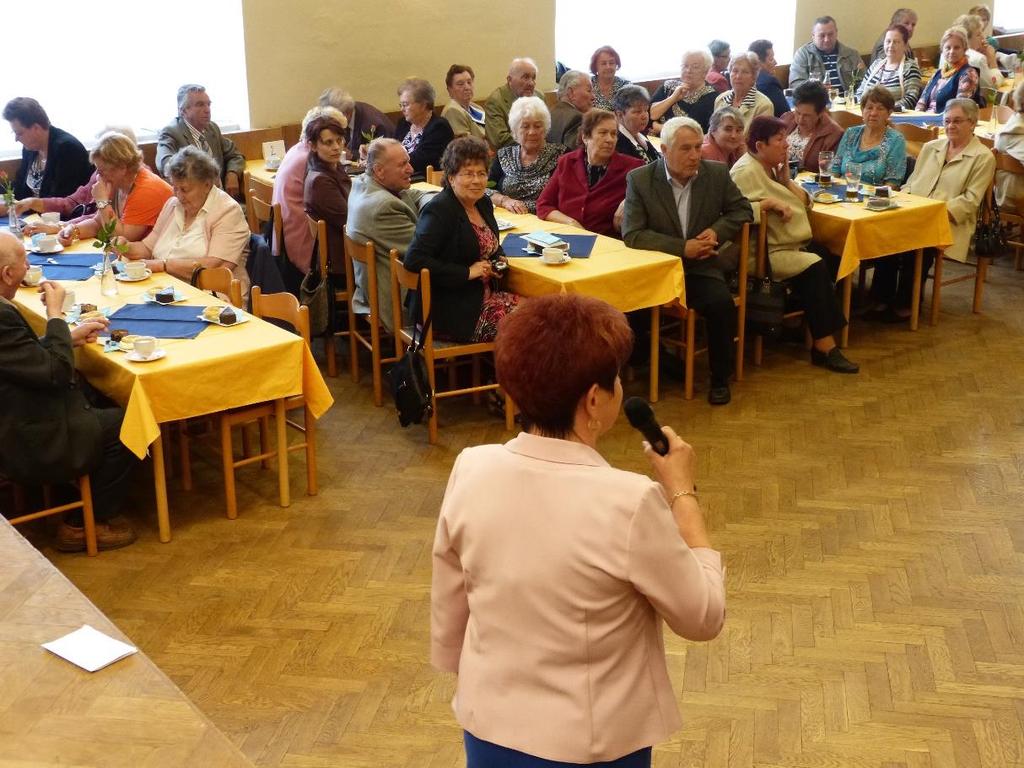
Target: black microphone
641, 416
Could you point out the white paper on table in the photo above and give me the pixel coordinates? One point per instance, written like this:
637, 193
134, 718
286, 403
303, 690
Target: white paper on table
89, 648
275, 148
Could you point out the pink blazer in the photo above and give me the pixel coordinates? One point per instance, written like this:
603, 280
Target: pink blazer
552, 575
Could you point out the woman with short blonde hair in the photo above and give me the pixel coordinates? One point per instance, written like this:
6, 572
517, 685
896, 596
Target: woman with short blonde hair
744, 95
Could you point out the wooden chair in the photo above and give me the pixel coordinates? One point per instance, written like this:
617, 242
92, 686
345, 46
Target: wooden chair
687, 321
260, 210
365, 254
979, 267
254, 187
285, 307
760, 270
440, 351
435, 177
916, 136
318, 228
1014, 212
84, 503
846, 119
222, 281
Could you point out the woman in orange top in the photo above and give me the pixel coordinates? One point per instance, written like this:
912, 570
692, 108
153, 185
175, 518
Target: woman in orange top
126, 190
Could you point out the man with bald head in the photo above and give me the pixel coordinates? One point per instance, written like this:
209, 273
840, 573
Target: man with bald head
49, 433
521, 81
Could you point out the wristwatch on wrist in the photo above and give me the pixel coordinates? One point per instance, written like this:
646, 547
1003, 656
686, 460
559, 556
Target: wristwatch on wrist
101, 204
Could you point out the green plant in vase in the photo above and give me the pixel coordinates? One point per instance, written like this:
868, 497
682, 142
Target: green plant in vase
105, 238
8, 192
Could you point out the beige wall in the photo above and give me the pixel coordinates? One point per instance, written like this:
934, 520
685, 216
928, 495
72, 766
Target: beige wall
861, 22
294, 50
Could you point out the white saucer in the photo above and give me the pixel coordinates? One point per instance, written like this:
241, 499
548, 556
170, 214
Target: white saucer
240, 317
41, 252
566, 260
135, 357
504, 225
151, 299
123, 277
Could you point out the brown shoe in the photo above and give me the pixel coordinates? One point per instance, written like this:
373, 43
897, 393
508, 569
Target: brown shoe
113, 534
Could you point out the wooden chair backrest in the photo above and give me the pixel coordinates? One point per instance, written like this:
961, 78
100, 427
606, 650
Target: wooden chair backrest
435, 177
846, 119
365, 254
1007, 162
403, 278
761, 257
1003, 114
916, 136
281, 306
221, 280
318, 229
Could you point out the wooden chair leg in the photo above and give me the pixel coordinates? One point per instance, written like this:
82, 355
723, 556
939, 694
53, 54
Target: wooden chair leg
378, 384
330, 352
691, 335
264, 428
432, 423
936, 290
88, 515
310, 424
228, 463
476, 378
184, 456
979, 282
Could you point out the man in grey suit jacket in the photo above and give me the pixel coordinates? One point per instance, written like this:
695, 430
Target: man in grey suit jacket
575, 97
193, 126
382, 208
692, 209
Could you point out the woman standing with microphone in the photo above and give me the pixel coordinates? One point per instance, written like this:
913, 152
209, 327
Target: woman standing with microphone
553, 571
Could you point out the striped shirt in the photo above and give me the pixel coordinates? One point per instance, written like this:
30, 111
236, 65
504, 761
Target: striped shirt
832, 78
904, 82
197, 137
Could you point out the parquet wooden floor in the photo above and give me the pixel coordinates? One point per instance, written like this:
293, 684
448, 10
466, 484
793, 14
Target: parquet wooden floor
872, 527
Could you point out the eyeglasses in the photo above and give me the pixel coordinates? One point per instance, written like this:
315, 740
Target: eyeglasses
404, 104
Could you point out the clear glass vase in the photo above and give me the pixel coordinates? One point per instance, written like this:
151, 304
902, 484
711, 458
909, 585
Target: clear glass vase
108, 285
12, 218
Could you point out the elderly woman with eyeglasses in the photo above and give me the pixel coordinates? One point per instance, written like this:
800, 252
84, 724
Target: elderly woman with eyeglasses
956, 168
632, 110
744, 95
955, 78
520, 171
689, 96
423, 134
457, 240
725, 142
809, 127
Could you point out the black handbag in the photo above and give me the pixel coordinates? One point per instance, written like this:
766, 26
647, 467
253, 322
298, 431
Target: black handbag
766, 306
984, 240
409, 380
314, 293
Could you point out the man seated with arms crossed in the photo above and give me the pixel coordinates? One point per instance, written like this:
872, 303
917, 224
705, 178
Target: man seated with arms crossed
521, 81
193, 126
382, 208
691, 208
48, 432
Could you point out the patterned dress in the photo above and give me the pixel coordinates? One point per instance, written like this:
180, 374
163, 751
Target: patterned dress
600, 100
524, 182
884, 164
496, 304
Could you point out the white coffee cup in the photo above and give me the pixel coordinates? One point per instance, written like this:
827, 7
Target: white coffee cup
33, 275
135, 269
145, 346
48, 243
553, 255
51, 217
69, 301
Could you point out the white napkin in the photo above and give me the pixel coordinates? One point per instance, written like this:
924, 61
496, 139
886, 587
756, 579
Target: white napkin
89, 648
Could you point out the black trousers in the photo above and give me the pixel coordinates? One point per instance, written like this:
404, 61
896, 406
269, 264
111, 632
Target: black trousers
710, 296
817, 294
893, 281
110, 480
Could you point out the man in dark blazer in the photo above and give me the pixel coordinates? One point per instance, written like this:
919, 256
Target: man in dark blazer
193, 126
49, 432
54, 161
575, 97
691, 208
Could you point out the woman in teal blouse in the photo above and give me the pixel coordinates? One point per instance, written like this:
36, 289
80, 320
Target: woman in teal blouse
880, 150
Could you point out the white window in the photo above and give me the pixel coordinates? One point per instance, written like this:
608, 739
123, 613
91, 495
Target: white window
120, 62
651, 37
1009, 15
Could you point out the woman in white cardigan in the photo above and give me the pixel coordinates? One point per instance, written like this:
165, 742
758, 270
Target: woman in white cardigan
956, 168
1010, 139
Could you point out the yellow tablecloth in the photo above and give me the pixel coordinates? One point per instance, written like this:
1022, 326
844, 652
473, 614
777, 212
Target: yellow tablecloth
221, 368
627, 278
258, 170
858, 234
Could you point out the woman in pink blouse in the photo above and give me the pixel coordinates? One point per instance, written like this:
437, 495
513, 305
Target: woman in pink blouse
554, 571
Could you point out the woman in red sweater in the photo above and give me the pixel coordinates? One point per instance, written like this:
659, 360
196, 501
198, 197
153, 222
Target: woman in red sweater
589, 184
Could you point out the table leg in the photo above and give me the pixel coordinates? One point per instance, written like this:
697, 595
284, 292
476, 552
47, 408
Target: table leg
844, 336
655, 351
163, 518
282, 452
915, 296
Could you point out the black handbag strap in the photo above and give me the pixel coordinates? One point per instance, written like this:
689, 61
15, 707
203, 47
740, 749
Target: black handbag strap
417, 342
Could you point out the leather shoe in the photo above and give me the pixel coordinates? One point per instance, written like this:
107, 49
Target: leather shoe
112, 534
834, 361
719, 394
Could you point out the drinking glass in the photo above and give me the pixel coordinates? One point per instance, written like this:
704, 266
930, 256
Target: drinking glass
825, 168
853, 173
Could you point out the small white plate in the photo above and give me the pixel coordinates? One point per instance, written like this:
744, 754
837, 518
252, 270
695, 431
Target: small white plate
41, 252
149, 298
123, 277
504, 225
135, 357
566, 260
240, 317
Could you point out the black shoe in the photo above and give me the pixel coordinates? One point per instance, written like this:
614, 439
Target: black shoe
719, 394
892, 317
834, 361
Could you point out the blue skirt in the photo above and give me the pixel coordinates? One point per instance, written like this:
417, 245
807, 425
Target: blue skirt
484, 754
